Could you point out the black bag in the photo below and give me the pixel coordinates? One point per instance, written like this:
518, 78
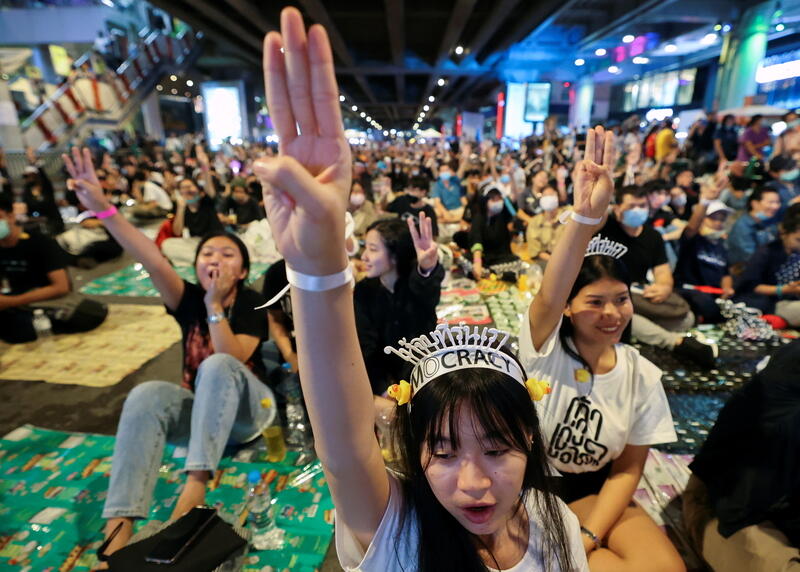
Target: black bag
216, 544
72, 314
673, 308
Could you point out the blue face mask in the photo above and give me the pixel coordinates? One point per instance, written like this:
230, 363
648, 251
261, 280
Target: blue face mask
635, 218
505, 179
790, 175
5, 230
193, 200
761, 216
445, 176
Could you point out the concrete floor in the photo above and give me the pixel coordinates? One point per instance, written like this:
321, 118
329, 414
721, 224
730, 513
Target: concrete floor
87, 409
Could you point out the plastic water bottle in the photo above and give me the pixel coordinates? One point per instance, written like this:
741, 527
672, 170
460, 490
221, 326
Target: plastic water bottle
298, 429
42, 325
265, 533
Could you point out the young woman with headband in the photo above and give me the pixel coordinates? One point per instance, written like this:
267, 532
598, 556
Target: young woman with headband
473, 491
607, 404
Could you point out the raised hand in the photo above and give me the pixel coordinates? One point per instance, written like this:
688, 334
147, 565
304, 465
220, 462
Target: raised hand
427, 251
307, 185
202, 158
593, 187
83, 180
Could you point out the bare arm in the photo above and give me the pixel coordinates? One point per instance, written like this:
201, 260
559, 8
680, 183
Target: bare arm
663, 275
305, 195
90, 193
180, 216
698, 214
593, 190
617, 491
59, 286
281, 337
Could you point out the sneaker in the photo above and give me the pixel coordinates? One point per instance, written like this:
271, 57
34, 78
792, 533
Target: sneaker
704, 354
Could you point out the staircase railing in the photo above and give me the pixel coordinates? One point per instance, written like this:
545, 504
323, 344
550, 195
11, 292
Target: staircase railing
97, 92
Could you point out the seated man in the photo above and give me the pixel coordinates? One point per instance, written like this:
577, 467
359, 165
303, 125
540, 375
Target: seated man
239, 208
152, 201
33, 274
755, 228
412, 203
742, 504
661, 318
195, 217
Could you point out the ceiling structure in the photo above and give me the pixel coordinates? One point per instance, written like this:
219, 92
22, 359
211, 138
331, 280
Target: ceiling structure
393, 56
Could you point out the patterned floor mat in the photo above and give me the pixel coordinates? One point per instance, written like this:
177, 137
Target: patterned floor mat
134, 280
131, 335
54, 485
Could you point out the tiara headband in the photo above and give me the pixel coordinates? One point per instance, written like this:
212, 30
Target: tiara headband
605, 247
453, 348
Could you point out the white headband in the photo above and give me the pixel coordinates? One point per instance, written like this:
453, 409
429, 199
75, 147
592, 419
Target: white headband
453, 348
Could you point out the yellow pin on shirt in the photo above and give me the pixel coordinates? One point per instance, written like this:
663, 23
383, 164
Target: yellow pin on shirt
582, 375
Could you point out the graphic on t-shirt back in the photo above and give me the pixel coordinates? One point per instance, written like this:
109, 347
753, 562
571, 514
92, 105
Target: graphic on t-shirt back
575, 439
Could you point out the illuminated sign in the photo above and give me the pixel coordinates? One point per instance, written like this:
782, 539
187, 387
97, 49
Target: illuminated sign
225, 112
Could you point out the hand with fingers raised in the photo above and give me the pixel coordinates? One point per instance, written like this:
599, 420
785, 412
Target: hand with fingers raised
427, 251
83, 180
306, 187
593, 186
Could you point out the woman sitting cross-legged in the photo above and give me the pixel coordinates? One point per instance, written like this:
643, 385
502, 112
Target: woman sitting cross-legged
607, 404
219, 399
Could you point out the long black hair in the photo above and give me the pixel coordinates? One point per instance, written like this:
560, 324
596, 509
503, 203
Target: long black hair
397, 240
594, 268
501, 407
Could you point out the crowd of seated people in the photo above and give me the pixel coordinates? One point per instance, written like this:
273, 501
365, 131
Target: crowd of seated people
701, 214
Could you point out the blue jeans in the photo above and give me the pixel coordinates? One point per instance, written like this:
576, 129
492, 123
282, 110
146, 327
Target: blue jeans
224, 408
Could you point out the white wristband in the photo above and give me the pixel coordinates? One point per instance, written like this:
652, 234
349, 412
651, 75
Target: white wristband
319, 283
578, 218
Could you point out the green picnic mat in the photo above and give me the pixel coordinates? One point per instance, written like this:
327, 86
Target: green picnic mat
134, 280
54, 484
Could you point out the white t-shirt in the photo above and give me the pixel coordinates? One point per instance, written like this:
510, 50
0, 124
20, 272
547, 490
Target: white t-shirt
588, 425
152, 192
389, 553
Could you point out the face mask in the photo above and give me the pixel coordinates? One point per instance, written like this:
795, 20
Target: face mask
414, 172
548, 202
761, 216
494, 207
358, 199
634, 218
193, 200
505, 179
445, 176
5, 230
715, 235
679, 201
790, 175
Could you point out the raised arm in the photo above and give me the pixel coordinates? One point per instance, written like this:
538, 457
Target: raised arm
305, 194
593, 188
83, 180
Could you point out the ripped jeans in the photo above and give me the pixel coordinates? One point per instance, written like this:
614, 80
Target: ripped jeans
224, 408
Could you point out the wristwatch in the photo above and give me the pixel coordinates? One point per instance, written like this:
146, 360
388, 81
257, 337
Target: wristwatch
216, 318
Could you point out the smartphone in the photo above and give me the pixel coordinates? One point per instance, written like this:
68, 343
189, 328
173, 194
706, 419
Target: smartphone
177, 539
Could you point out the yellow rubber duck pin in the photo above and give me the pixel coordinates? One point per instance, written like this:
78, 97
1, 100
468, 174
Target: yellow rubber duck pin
400, 392
537, 389
582, 375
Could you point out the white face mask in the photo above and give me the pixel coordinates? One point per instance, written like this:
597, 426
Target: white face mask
494, 207
548, 202
357, 199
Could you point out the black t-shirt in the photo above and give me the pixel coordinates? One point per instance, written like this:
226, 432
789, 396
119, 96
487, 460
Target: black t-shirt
748, 460
729, 139
27, 264
402, 206
245, 213
205, 220
645, 251
383, 317
493, 234
191, 316
701, 262
661, 218
275, 281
